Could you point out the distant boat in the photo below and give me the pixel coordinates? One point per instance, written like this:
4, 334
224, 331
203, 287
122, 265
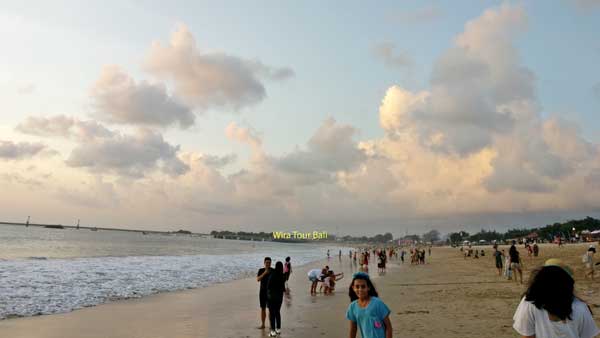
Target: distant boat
58, 226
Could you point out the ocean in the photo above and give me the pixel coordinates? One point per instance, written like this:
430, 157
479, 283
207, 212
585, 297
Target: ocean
47, 271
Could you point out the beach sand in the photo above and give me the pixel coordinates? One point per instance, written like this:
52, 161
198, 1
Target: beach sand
447, 297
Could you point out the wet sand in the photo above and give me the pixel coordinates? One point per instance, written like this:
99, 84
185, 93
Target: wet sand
447, 297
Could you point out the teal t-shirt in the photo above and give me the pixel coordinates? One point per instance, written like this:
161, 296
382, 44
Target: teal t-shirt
370, 319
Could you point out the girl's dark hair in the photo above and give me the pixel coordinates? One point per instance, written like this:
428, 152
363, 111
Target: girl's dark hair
365, 277
551, 288
279, 267
287, 259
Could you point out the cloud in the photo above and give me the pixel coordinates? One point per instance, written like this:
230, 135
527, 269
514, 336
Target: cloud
586, 5
18, 151
243, 135
329, 150
385, 52
218, 161
94, 194
592, 180
64, 126
474, 85
472, 148
16, 178
420, 15
128, 155
26, 89
482, 104
596, 91
117, 98
210, 79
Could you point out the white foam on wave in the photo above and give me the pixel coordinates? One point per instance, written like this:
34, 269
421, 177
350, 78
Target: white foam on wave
34, 287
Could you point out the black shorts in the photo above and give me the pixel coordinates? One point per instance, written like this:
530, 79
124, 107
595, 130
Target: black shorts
286, 276
499, 265
262, 298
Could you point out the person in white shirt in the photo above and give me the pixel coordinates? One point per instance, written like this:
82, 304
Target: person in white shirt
550, 309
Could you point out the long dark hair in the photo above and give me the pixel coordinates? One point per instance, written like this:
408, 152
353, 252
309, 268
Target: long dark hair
551, 288
279, 267
365, 277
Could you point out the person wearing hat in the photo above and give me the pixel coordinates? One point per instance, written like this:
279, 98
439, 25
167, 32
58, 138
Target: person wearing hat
549, 307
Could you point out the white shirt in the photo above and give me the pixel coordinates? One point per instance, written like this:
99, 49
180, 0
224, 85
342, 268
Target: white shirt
314, 273
529, 321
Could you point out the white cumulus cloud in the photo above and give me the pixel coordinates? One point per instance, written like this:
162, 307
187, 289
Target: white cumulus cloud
207, 79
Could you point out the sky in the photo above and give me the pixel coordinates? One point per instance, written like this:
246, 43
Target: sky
345, 117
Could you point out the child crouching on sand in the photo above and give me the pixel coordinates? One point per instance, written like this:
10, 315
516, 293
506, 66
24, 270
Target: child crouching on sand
367, 312
329, 282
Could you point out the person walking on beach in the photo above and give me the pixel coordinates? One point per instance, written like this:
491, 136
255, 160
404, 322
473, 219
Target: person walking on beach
507, 270
366, 311
275, 290
499, 258
287, 271
263, 277
550, 309
536, 249
515, 261
588, 259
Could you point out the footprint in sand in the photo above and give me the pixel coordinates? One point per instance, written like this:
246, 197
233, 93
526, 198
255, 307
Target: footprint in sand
413, 312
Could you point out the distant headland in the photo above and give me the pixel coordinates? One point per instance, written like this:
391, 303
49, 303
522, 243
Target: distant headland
81, 227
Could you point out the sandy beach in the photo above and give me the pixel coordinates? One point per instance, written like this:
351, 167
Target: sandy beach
448, 297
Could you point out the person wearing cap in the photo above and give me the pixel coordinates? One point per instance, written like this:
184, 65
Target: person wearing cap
549, 307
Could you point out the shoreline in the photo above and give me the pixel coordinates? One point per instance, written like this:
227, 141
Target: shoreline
448, 297
240, 274
171, 309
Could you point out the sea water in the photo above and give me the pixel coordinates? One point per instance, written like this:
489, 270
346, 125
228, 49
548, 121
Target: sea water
46, 271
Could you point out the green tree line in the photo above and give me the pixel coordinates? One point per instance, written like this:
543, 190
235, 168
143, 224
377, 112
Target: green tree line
546, 233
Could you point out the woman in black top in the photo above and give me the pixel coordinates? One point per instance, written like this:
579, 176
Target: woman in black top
275, 290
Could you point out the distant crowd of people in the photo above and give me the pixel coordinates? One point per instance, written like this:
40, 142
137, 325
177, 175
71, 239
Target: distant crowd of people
548, 308
366, 312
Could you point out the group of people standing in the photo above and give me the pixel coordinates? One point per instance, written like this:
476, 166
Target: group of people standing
511, 264
273, 285
548, 308
417, 256
366, 312
382, 255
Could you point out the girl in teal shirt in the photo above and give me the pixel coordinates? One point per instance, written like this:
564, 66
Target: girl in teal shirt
367, 312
